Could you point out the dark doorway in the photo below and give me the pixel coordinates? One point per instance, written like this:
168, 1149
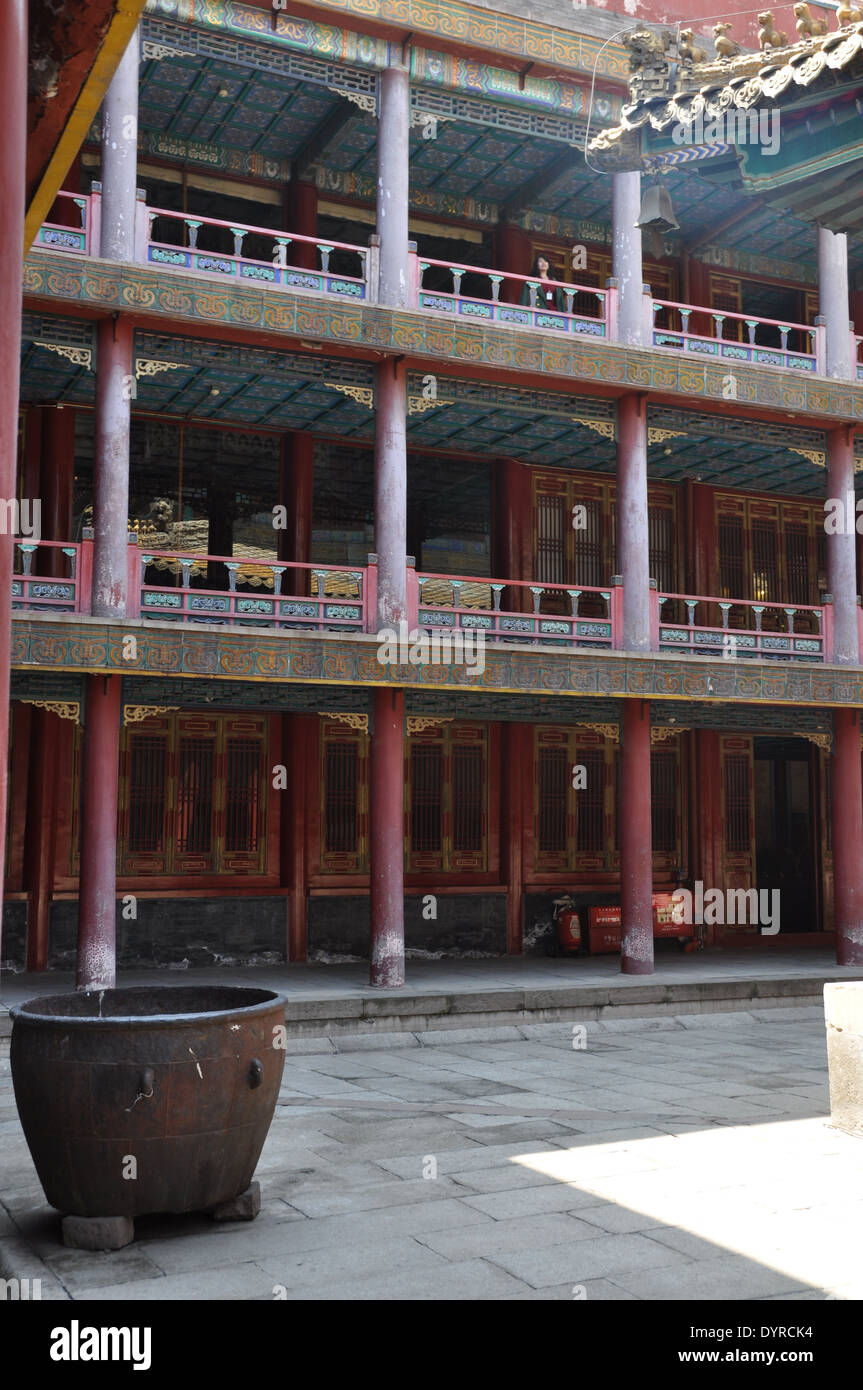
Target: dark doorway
784, 856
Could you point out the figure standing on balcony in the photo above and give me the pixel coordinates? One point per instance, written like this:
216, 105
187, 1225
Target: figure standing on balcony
548, 296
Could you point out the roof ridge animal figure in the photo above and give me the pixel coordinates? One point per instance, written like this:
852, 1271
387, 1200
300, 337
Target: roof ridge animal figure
847, 14
725, 47
768, 35
688, 49
807, 27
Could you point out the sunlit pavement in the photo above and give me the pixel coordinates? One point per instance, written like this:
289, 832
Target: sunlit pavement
650, 1159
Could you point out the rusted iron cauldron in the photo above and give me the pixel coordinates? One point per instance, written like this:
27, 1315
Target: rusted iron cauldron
181, 1079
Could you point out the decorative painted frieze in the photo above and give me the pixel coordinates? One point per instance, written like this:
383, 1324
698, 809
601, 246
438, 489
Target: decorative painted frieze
171, 651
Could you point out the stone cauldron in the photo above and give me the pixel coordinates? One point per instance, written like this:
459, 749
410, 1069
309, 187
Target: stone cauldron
138, 1101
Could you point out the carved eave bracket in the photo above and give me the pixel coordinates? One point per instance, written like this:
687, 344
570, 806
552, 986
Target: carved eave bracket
136, 714
64, 709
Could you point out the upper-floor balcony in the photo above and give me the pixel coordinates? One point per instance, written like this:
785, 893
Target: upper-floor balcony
232, 251
232, 591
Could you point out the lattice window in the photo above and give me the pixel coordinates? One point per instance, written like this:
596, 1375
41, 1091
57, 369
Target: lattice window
732, 583
468, 798
590, 802
341, 796
243, 794
586, 555
770, 552
148, 768
425, 798
193, 796
550, 539
552, 796
445, 799
765, 563
738, 803
591, 558
797, 563
664, 800
344, 799
660, 524
576, 817
726, 296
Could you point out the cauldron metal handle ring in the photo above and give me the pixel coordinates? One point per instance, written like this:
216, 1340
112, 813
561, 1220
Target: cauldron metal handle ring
256, 1072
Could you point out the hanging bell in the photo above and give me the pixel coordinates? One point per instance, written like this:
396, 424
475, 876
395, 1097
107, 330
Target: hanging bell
656, 210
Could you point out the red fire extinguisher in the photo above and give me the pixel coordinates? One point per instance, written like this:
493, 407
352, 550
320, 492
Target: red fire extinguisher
568, 925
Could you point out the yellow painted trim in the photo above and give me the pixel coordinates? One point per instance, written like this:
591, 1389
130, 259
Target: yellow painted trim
120, 31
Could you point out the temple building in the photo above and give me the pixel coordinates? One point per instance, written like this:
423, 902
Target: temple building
426, 422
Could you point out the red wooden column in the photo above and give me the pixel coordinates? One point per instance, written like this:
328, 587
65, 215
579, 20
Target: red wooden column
56, 470
511, 521
100, 757
511, 253
846, 810
57, 481
41, 833
636, 865
387, 839
703, 559
296, 483
301, 217
841, 548
13, 149
32, 459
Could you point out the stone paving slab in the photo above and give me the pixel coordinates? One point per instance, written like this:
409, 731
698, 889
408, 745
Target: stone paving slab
659, 1162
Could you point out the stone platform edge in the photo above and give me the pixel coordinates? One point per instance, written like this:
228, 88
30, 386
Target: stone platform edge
379, 1020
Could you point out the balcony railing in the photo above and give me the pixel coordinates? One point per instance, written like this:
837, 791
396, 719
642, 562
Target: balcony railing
728, 340
74, 232
512, 610
266, 256
533, 314
742, 628
56, 587
273, 265
246, 591
219, 589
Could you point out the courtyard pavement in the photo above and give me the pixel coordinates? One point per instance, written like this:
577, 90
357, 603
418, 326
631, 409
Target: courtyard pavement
666, 1158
